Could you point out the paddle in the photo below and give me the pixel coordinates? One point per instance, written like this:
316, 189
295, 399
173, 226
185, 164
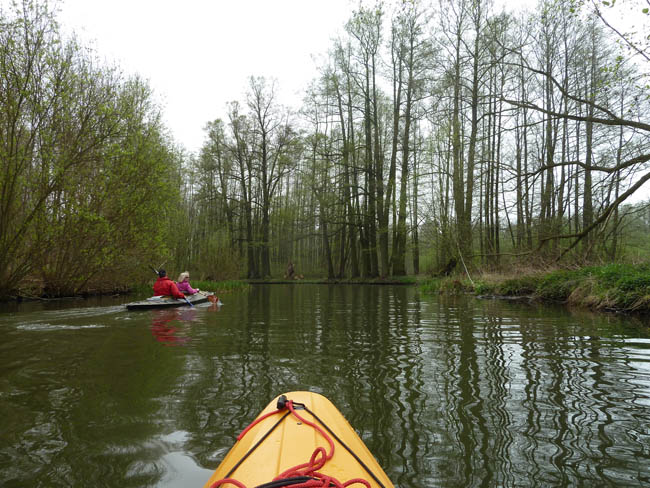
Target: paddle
184, 297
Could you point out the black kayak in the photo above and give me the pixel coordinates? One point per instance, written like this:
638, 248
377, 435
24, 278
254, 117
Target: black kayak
165, 302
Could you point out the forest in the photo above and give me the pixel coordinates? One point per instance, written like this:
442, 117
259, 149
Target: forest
439, 137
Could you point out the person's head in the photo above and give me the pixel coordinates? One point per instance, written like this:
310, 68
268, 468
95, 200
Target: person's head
183, 276
162, 273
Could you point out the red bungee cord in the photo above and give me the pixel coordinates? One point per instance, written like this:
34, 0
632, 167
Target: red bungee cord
318, 459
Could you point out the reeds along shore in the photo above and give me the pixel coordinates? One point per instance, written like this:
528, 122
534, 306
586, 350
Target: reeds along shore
613, 287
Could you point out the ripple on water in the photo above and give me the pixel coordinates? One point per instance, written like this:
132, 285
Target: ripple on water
449, 393
50, 327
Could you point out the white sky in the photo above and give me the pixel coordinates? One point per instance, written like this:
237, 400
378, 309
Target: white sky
199, 54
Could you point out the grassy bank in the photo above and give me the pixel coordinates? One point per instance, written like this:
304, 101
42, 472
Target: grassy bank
618, 287
215, 286
397, 280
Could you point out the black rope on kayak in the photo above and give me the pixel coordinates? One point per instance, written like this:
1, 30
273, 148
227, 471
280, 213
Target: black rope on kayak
250, 451
363, 465
287, 482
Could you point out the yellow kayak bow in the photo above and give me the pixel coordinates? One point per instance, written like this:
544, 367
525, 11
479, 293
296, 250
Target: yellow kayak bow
299, 440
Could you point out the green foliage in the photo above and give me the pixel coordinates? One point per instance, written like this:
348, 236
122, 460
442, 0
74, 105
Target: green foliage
431, 286
557, 285
625, 277
483, 288
141, 288
93, 190
448, 285
612, 286
216, 257
221, 286
618, 285
523, 285
89, 182
214, 286
398, 280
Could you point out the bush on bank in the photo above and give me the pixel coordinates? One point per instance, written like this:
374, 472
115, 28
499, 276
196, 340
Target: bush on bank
90, 177
214, 286
623, 287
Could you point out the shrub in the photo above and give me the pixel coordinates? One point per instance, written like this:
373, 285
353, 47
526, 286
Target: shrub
525, 285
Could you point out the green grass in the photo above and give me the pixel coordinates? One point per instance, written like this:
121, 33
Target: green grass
221, 286
624, 287
448, 285
558, 285
391, 280
141, 289
519, 286
215, 286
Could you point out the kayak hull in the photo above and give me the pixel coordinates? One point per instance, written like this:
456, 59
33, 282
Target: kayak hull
291, 443
168, 302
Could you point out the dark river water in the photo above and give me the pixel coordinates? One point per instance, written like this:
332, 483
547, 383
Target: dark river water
445, 392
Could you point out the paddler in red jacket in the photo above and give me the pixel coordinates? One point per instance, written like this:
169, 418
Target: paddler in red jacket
165, 286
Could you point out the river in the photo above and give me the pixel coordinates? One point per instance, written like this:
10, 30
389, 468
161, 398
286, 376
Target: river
453, 392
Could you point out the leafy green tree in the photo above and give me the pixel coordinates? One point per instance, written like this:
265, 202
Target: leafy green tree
88, 184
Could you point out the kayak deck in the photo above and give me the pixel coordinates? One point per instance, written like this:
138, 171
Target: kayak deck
165, 302
293, 442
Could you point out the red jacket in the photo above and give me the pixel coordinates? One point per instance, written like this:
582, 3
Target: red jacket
165, 286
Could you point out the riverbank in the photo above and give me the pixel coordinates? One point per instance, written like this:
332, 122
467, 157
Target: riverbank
217, 287
36, 294
612, 287
399, 280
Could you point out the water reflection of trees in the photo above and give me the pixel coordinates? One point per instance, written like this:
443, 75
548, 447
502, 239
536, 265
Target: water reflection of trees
531, 400
445, 392
82, 403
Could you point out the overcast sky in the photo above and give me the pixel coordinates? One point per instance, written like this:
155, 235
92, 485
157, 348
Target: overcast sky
199, 54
